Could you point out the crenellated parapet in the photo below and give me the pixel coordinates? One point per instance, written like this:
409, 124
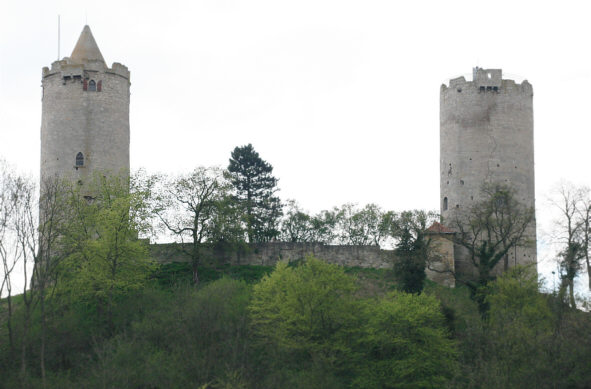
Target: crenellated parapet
66, 69
486, 81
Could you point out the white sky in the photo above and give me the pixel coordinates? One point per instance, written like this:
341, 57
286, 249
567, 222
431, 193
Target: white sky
341, 97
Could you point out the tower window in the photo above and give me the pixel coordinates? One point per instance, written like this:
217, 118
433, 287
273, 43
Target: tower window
91, 86
445, 203
79, 160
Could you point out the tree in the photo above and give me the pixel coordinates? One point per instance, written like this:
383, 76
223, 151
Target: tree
312, 316
37, 224
105, 257
30, 230
196, 209
9, 249
412, 248
25, 229
255, 187
585, 215
513, 347
54, 217
307, 312
369, 225
406, 344
296, 225
488, 230
299, 226
324, 226
572, 234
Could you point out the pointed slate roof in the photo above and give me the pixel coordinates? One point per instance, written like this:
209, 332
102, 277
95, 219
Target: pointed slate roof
86, 49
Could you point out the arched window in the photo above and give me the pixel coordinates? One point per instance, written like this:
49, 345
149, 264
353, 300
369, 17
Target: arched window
445, 203
79, 159
92, 86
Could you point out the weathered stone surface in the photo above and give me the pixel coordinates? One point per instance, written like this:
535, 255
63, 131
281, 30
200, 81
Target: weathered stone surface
440, 271
486, 135
268, 254
75, 120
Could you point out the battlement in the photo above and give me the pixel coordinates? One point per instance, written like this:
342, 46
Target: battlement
487, 77
67, 68
486, 80
119, 69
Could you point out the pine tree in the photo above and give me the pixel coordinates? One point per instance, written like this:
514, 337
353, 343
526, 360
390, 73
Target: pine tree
255, 186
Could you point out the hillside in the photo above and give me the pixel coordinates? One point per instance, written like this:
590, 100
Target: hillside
310, 325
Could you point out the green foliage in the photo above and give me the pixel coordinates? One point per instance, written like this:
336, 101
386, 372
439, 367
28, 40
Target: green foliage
369, 225
407, 344
519, 326
197, 209
171, 274
296, 226
350, 224
255, 186
313, 329
488, 230
515, 297
189, 338
412, 248
310, 314
299, 226
308, 308
409, 270
409, 266
305, 318
105, 257
527, 340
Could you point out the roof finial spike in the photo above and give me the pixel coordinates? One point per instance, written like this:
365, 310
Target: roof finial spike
58, 37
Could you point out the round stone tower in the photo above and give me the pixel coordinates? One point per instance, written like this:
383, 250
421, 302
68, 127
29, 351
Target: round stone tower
85, 114
486, 136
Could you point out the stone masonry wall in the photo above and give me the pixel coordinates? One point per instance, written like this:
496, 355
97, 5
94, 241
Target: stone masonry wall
95, 123
486, 135
268, 254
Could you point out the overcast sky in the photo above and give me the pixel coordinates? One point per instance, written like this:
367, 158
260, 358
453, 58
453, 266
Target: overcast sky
341, 97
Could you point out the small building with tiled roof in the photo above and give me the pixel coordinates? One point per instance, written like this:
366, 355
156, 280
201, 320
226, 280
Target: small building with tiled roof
438, 228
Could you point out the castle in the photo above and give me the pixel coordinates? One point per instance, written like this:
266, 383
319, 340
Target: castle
486, 134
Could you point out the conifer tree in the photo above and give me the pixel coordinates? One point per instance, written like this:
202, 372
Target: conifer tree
256, 186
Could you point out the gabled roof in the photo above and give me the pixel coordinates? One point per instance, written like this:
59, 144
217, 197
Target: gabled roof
438, 228
86, 49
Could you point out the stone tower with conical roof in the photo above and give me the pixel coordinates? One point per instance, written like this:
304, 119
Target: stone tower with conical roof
85, 114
